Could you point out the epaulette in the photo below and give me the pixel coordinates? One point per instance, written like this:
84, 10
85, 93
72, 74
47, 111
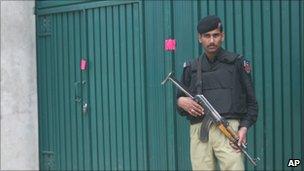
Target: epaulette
239, 57
230, 58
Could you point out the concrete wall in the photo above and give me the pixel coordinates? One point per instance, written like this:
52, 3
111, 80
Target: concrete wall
19, 116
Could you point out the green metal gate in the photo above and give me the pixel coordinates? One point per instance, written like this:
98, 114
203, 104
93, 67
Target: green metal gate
267, 33
91, 118
115, 114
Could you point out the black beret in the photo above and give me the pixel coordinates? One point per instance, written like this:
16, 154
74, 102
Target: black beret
209, 23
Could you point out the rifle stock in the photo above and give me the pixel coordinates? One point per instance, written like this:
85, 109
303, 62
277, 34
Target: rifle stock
220, 122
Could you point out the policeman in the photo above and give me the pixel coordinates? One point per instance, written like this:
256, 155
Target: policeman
224, 79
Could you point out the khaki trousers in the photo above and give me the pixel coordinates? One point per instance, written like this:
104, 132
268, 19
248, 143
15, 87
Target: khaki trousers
203, 155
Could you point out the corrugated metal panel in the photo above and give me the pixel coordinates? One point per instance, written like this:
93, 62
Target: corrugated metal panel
267, 33
56, 3
168, 134
57, 65
301, 36
132, 121
112, 134
116, 87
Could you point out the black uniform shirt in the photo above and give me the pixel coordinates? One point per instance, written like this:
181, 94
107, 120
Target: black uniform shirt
227, 85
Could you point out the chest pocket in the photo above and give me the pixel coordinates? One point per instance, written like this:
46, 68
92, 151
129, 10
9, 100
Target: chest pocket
217, 86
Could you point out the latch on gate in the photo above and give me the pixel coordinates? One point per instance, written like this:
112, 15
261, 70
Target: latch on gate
79, 86
78, 98
85, 108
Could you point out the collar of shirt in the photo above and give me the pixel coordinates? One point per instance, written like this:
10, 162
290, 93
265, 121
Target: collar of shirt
217, 56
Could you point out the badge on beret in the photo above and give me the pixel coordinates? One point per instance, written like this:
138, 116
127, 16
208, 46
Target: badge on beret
219, 25
247, 67
186, 64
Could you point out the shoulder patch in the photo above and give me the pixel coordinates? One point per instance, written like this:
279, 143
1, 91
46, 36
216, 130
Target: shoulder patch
246, 66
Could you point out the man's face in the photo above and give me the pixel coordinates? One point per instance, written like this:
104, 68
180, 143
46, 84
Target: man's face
211, 40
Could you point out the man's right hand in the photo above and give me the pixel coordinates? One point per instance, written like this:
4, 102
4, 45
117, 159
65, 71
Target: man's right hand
189, 105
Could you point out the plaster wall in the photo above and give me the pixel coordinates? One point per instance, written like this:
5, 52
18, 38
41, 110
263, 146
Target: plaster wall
19, 115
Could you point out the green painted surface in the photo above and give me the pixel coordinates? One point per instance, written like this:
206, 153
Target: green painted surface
111, 134
131, 122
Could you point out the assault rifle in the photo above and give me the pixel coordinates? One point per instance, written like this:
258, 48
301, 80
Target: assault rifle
212, 116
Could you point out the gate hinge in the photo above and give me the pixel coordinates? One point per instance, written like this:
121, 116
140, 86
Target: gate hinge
48, 162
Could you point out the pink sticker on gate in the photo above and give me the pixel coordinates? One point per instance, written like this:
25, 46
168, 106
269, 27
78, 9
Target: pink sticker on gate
170, 44
83, 64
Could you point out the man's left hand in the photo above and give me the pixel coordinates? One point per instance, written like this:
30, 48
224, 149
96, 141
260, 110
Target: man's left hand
242, 139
